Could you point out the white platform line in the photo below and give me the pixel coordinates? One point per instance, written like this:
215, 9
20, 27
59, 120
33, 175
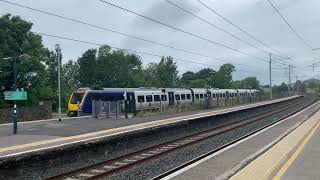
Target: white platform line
151, 124
231, 108
236, 168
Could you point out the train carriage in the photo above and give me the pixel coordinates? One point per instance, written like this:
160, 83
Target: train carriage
153, 98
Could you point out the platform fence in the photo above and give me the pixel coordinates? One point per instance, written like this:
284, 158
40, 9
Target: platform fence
112, 109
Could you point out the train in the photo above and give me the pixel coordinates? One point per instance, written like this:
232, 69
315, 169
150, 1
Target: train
145, 98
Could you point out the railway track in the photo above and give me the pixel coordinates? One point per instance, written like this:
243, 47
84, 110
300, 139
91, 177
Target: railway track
104, 169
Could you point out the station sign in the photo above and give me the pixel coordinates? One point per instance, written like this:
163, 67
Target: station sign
15, 95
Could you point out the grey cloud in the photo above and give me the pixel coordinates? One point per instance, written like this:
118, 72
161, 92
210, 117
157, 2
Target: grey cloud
164, 12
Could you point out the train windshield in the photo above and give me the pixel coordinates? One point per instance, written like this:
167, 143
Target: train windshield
76, 97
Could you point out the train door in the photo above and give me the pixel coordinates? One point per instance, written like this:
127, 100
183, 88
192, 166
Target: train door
131, 103
171, 98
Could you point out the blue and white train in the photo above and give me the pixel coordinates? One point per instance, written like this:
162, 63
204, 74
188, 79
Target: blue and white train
152, 98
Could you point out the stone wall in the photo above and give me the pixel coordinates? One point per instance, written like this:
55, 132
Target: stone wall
42, 111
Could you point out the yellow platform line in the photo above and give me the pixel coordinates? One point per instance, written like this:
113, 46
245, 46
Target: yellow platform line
130, 128
286, 166
265, 164
110, 132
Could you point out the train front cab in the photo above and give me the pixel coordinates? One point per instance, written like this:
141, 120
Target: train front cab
75, 98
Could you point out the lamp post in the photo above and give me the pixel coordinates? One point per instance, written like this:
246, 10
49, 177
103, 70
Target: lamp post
15, 121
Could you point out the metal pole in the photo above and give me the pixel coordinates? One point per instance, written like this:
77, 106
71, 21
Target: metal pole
58, 50
289, 85
109, 104
270, 83
296, 84
15, 120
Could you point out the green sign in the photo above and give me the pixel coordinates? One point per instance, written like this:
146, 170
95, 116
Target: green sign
15, 95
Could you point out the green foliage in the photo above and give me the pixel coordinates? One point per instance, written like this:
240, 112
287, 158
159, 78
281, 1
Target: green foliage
117, 69
16, 40
87, 63
162, 74
223, 77
247, 83
207, 77
95, 68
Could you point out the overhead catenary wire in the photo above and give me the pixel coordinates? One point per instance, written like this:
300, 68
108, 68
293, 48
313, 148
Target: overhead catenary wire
295, 32
215, 26
117, 32
241, 29
183, 31
113, 31
129, 50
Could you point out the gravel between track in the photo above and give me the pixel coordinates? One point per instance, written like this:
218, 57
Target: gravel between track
164, 163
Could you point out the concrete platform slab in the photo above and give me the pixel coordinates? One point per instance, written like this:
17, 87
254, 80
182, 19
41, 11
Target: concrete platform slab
47, 134
304, 162
268, 163
227, 162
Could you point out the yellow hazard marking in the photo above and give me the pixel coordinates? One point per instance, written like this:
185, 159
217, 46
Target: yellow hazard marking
126, 129
286, 166
263, 166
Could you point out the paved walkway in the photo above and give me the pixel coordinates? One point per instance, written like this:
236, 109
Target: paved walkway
297, 156
47, 134
228, 161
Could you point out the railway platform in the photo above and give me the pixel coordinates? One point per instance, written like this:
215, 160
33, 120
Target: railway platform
297, 156
289, 149
49, 134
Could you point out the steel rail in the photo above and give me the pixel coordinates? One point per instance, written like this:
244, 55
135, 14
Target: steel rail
112, 166
171, 171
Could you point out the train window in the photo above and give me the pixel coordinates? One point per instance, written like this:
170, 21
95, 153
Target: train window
164, 97
76, 97
213, 95
156, 97
197, 96
183, 96
223, 95
201, 96
188, 96
177, 96
140, 98
149, 98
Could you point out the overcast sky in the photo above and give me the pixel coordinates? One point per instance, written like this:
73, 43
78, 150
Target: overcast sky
255, 16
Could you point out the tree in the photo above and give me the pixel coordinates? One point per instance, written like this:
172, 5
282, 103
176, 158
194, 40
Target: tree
118, 69
205, 73
223, 77
16, 39
163, 74
250, 82
87, 65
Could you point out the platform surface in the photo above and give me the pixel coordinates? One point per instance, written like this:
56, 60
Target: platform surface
227, 162
296, 156
304, 163
45, 134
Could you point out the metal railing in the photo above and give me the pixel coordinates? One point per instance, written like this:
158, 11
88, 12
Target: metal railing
112, 109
